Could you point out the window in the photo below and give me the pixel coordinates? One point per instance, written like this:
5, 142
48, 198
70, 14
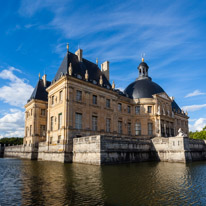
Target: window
50, 140
79, 95
120, 127
108, 103
94, 100
78, 121
59, 138
149, 109
119, 107
128, 109
94, 123
129, 128
59, 120
137, 128
150, 130
42, 130
137, 110
108, 122
52, 123
52, 100
30, 130
43, 112
60, 95
27, 131
31, 112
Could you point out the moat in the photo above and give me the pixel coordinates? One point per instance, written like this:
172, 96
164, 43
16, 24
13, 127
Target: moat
25, 182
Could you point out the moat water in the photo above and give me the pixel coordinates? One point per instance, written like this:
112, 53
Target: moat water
24, 182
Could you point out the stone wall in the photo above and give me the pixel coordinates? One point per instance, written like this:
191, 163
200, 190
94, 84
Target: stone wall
21, 151
179, 149
55, 152
111, 150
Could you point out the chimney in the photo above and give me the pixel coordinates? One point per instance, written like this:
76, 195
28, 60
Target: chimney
44, 80
79, 53
105, 69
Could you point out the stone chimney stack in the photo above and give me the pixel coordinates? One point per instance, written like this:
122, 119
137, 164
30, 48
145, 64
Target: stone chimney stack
44, 80
105, 69
79, 53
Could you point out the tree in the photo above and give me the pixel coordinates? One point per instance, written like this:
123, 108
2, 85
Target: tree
11, 141
198, 135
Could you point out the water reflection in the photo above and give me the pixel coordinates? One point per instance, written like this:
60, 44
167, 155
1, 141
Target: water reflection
26, 182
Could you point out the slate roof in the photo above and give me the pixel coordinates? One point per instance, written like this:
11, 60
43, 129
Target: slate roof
79, 70
143, 88
40, 92
175, 107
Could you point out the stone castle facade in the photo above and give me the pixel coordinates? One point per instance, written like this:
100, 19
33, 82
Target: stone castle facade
80, 101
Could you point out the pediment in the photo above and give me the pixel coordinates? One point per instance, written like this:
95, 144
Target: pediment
164, 96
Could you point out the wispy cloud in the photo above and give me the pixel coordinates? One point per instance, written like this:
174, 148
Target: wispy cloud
193, 108
12, 124
16, 90
198, 125
195, 93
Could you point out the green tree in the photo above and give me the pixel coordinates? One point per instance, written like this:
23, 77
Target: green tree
198, 135
11, 141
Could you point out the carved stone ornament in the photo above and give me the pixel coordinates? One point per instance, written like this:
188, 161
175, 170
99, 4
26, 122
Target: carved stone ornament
181, 133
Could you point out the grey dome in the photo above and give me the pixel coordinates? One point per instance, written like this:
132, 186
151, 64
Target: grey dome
143, 88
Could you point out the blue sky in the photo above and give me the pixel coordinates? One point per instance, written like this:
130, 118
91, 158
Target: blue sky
172, 34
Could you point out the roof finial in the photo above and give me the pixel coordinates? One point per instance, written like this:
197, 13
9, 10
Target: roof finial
67, 47
143, 55
39, 75
97, 61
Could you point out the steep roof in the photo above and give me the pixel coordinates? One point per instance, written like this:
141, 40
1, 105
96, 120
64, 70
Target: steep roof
175, 107
40, 92
79, 70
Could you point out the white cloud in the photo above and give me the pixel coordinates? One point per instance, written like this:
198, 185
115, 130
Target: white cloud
17, 91
195, 93
12, 124
193, 108
198, 125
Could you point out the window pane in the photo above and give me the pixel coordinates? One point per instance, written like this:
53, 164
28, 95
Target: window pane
78, 121
129, 128
119, 107
137, 110
79, 95
120, 127
60, 121
108, 121
94, 123
137, 129
94, 100
108, 103
150, 130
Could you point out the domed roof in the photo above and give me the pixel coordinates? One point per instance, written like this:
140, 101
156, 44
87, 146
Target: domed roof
142, 88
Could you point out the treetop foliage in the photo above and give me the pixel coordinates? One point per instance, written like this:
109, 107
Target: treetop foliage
198, 135
11, 141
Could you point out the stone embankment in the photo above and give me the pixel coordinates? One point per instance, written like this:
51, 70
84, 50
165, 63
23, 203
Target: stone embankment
100, 149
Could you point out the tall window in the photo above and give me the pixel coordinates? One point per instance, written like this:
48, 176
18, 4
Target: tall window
27, 131
149, 109
128, 109
150, 129
52, 99
43, 112
108, 122
137, 110
59, 120
30, 130
60, 95
119, 107
120, 127
52, 123
137, 128
59, 139
108, 103
94, 99
129, 128
79, 95
94, 123
42, 130
78, 121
